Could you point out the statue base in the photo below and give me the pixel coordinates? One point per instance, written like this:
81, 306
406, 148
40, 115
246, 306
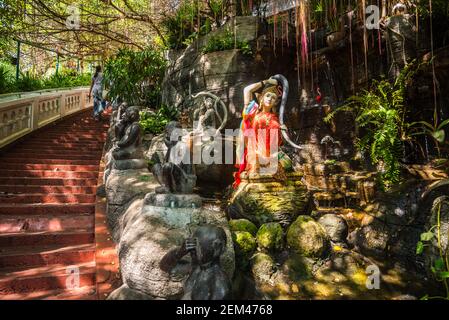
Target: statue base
172, 200
262, 198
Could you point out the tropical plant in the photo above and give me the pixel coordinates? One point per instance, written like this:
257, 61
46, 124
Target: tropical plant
440, 266
28, 82
136, 76
226, 41
434, 130
6, 78
380, 113
155, 122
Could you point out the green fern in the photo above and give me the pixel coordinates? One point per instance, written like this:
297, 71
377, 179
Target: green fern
380, 112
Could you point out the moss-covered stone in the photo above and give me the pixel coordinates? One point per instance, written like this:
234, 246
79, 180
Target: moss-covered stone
244, 247
266, 199
243, 225
307, 237
298, 267
263, 267
270, 236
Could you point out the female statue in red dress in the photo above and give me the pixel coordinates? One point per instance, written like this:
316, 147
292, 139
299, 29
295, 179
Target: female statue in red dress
259, 137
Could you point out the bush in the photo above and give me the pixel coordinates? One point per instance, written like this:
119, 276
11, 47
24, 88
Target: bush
155, 122
28, 82
136, 76
6, 78
226, 41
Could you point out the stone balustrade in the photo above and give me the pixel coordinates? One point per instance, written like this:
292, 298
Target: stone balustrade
30, 112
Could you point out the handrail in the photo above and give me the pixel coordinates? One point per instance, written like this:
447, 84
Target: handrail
26, 114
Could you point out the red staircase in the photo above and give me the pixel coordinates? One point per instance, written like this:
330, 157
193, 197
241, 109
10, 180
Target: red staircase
47, 206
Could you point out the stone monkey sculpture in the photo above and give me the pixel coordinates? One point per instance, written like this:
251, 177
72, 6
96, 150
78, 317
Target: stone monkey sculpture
207, 280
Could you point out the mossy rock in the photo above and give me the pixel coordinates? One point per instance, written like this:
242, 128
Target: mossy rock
262, 267
243, 225
307, 237
244, 246
270, 236
274, 201
298, 267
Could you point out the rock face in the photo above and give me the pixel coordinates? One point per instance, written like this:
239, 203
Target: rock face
335, 226
307, 237
122, 187
225, 73
149, 234
262, 199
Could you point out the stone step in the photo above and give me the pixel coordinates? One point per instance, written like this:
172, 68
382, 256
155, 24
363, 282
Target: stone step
335, 199
56, 153
84, 293
30, 157
46, 238
35, 256
52, 167
45, 278
29, 144
45, 208
32, 181
48, 161
19, 189
346, 181
47, 198
45, 223
48, 174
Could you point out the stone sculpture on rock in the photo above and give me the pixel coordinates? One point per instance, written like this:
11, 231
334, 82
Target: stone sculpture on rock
126, 152
401, 36
208, 280
175, 175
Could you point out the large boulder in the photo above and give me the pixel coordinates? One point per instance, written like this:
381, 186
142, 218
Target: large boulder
126, 293
307, 237
148, 235
122, 187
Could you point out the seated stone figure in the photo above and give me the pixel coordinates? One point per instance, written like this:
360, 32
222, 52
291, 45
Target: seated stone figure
128, 134
207, 280
204, 116
174, 178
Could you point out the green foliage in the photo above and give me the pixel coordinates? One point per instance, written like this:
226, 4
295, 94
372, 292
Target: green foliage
182, 28
6, 78
226, 41
67, 78
136, 76
30, 82
435, 130
439, 7
380, 113
439, 267
155, 122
